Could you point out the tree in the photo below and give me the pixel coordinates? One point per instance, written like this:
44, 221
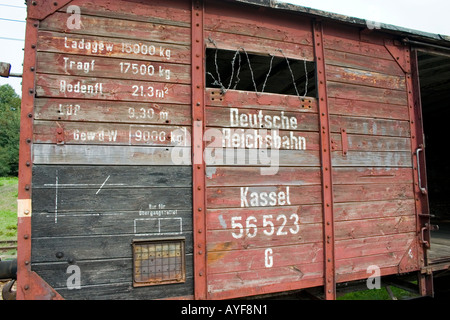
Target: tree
9, 131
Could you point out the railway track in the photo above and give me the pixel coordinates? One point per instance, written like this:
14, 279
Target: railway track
6, 245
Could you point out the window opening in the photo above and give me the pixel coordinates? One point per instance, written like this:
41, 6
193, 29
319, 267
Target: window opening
240, 70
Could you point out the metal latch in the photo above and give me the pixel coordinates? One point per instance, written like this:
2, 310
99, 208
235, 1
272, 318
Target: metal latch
428, 227
422, 189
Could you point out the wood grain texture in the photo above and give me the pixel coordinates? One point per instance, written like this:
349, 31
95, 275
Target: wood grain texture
230, 197
230, 176
235, 42
265, 101
118, 28
108, 155
368, 175
111, 134
88, 216
124, 177
172, 12
370, 126
111, 111
361, 62
371, 192
92, 46
52, 86
365, 93
228, 18
368, 78
367, 109
99, 67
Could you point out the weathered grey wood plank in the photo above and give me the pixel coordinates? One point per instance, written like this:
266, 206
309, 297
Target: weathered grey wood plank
148, 222
110, 155
125, 291
92, 177
96, 272
76, 249
111, 200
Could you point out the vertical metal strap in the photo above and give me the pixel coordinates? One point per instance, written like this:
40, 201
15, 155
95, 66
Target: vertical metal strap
327, 183
24, 285
417, 140
198, 165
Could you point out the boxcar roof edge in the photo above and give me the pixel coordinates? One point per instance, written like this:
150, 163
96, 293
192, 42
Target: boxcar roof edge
440, 39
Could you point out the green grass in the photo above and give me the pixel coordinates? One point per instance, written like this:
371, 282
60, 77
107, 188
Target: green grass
8, 208
378, 294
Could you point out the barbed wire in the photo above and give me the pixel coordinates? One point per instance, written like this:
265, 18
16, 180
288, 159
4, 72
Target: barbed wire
217, 81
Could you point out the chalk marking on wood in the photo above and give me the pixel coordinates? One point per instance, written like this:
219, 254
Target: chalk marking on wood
81, 184
159, 226
103, 184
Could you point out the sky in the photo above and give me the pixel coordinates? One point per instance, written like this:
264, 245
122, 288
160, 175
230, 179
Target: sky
430, 16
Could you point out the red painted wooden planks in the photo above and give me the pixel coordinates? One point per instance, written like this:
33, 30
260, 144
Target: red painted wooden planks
230, 18
254, 259
374, 209
361, 62
246, 197
359, 108
161, 11
253, 118
86, 110
112, 47
370, 126
354, 248
373, 179
266, 101
102, 89
364, 93
367, 78
112, 68
261, 281
369, 175
230, 176
254, 220
117, 28
110, 134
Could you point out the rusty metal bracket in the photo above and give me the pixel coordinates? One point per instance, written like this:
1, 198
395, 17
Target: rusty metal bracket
409, 261
60, 136
327, 183
25, 161
400, 55
40, 9
417, 138
344, 140
37, 289
198, 165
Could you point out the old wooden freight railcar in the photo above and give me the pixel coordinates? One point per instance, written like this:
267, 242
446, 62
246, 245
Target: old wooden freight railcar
221, 149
